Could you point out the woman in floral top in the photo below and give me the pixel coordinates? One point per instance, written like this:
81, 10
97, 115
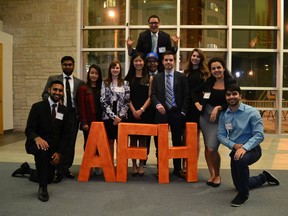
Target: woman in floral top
115, 99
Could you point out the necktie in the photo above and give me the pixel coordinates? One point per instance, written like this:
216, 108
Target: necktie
68, 94
169, 92
54, 111
154, 43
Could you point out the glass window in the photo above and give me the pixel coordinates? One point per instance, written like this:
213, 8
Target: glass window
111, 38
212, 38
285, 70
285, 25
203, 12
255, 69
141, 10
254, 12
254, 39
103, 59
109, 12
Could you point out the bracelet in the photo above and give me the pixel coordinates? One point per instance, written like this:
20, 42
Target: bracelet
143, 110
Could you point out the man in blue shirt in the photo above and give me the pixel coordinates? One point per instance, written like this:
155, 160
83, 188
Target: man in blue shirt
241, 130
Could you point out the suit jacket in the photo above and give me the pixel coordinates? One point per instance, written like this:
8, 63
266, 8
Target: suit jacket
87, 107
40, 123
181, 94
144, 45
77, 84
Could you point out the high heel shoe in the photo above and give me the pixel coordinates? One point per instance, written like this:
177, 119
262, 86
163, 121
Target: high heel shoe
134, 174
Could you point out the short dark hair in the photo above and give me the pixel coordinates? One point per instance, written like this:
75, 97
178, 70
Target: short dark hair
233, 87
153, 16
168, 52
56, 82
67, 58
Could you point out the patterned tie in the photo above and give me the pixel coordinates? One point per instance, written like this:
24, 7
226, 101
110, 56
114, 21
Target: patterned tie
169, 92
54, 111
154, 43
68, 94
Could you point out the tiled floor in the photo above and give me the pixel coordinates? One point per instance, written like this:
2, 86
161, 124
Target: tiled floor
275, 152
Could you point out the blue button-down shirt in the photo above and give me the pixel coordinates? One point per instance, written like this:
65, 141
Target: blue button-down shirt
243, 126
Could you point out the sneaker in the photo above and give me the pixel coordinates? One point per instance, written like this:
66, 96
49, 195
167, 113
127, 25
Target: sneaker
239, 200
272, 180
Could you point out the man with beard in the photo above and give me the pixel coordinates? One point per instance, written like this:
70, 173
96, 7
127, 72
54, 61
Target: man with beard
241, 130
47, 132
170, 97
71, 85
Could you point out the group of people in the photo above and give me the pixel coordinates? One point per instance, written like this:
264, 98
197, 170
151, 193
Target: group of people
151, 92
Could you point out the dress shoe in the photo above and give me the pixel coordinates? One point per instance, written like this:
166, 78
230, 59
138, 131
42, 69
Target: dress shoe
68, 174
24, 169
43, 194
179, 174
216, 184
58, 177
272, 180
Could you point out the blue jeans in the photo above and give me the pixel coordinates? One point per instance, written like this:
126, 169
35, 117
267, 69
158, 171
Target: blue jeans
240, 171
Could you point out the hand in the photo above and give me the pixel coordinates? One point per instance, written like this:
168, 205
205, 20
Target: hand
137, 114
41, 144
213, 115
117, 120
239, 153
175, 40
56, 157
237, 146
161, 109
129, 42
199, 106
85, 127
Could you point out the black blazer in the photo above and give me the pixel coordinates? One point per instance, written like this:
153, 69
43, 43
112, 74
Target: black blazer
144, 45
39, 123
181, 94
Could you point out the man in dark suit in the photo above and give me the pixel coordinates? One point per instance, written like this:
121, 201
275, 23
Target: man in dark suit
154, 40
47, 132
171, 103
71, 85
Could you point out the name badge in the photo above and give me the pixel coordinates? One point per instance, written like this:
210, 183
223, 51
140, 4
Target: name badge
59, 116
207, 95
162, 49
228, 126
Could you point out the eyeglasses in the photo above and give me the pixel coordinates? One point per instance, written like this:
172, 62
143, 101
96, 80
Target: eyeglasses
153, 23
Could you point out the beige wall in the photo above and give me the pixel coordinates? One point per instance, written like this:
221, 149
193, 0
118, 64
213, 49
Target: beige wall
7, 88
43, 32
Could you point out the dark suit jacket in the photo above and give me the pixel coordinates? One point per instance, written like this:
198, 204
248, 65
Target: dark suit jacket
77, 84
144, 44
181, 94
39, 123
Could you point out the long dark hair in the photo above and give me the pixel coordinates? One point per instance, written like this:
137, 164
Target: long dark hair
205, 73
98, 82
130, 77
108, 81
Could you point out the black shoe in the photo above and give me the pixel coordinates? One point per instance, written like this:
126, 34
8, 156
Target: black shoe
68, 174
58, 177
43, 194
272, 180
239, 200
24, 169
179, 174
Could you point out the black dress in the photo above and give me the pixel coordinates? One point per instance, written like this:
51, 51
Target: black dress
195, 82
138, 96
